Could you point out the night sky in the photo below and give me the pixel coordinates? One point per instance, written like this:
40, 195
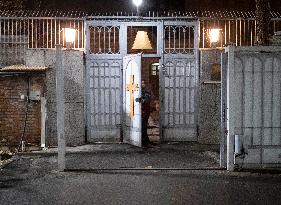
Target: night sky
156, 5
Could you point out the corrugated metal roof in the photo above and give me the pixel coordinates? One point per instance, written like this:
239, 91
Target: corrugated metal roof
22, 68
82, 14
42, 13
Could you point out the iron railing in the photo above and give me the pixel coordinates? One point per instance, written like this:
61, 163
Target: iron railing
39, 32
45, 29
239, 32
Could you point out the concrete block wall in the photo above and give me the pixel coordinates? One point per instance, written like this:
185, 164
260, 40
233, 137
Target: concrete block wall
13, 109
12, 54
209, 120
74, 93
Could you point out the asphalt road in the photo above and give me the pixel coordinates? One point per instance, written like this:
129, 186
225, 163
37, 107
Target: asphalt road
35, 180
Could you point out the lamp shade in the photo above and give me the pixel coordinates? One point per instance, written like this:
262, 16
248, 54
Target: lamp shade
142, 41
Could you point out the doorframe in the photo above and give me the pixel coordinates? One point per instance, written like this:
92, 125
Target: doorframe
159, 84
160, 50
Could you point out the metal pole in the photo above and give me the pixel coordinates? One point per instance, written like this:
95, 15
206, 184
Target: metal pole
60, 108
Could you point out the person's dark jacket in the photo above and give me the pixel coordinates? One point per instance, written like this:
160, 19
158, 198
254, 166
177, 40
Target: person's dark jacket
145, 104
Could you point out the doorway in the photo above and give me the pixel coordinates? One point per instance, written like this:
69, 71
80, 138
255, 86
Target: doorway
150, 75
175, 86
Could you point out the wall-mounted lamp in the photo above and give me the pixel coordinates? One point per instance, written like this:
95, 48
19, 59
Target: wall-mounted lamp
214, 35
142, 41
69, 35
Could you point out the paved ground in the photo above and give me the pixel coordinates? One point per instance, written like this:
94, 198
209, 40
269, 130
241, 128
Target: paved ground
168, 155
34, 179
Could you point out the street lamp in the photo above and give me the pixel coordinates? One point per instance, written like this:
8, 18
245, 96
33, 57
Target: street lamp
137, 4
69, 37
214, 35
69, 34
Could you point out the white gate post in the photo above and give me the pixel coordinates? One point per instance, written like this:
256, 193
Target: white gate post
230, 110
60, 108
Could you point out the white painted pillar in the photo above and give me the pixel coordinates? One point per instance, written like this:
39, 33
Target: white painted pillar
60, 108
230, 110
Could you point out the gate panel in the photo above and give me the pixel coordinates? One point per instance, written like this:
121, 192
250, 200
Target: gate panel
254, 106
179, 81
180, 119
132, 121
103, 80
104, 99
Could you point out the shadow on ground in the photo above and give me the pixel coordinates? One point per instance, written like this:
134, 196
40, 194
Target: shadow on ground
115, 156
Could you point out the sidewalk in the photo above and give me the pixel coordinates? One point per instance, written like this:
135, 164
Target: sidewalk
114, 156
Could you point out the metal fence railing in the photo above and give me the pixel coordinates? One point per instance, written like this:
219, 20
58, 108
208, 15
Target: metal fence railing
45, 32
240, 32
40, 32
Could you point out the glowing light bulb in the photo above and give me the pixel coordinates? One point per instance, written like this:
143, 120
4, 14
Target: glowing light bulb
69, 35
214, 35
137, 2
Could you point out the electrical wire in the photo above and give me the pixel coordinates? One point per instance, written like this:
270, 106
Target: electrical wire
21, 143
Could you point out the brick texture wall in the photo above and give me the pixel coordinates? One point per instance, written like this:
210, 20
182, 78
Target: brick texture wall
152, 82
13, 108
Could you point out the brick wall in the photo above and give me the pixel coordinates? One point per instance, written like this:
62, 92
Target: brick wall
152, 82
13, 108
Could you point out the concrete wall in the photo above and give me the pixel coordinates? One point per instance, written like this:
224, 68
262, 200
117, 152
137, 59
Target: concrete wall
209, 98
11, 54
74, 93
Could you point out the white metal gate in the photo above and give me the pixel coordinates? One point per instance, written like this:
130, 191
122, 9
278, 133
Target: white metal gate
177, 46
103, 86
253, 109
179, 81
132, 123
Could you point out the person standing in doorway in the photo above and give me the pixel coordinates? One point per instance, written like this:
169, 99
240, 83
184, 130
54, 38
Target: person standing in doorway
145, 111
